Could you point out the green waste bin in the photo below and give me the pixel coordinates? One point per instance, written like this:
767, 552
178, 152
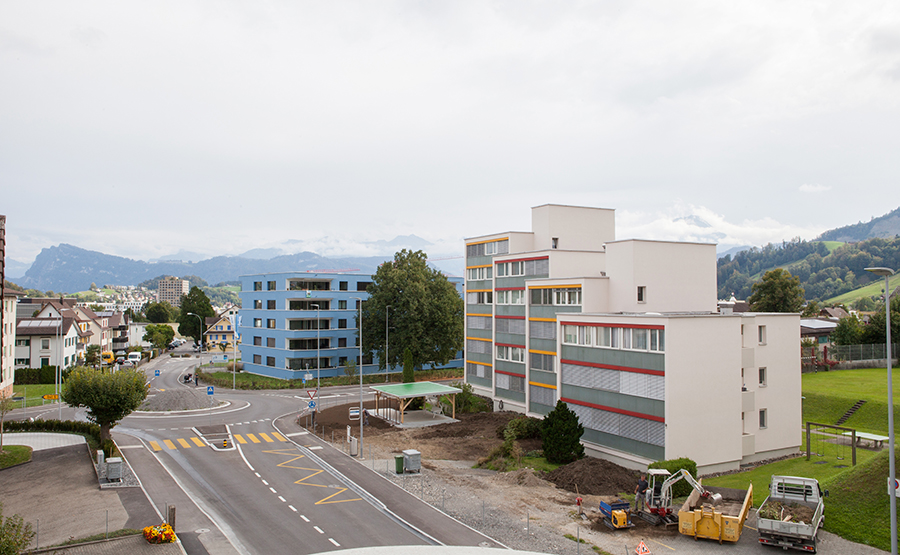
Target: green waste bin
398, 464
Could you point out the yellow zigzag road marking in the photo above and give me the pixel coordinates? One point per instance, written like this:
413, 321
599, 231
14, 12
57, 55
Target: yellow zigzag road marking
315, 472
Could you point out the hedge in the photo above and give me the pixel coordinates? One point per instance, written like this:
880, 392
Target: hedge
681, 488
35, 376
68, 426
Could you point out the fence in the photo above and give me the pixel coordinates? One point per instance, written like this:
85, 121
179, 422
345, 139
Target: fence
853, 353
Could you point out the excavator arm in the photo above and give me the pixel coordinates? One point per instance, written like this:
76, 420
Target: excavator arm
666, 490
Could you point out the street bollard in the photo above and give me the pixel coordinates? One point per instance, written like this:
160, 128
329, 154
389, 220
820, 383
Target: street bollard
225, 443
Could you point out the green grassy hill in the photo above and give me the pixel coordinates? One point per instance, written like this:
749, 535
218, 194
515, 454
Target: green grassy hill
830, 394
870, 290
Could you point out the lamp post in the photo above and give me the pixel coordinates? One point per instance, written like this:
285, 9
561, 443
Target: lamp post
318, 372
887, 273
361, 419
201, 333
387, 335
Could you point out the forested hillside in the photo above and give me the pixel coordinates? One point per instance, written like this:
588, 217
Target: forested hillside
822, 274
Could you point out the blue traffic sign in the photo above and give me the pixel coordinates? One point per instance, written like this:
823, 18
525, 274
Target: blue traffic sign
209, 390
157, 373
312, 404
226, 358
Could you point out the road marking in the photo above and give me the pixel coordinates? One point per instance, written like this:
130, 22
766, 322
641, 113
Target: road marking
169, 444
257, 474
314, 447
752, 528
198, 442
291, 507
174, 429
662, 544
304, 518
240, 438
317, 529
183, 443
297, 434
265, 482
266, 437
283, 500
273, 490
130, 447
328, 396
252, 438
334, 542
155, 446
278, 436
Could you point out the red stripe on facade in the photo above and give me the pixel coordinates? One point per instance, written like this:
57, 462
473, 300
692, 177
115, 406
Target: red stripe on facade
509, 373
611, 409
614, 367
509, 289
510, 317
509, 345
604, 325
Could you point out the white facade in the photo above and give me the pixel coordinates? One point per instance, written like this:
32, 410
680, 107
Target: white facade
46, 342
627, 333
7, 362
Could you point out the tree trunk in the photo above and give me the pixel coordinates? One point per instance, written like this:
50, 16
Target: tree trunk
104, 433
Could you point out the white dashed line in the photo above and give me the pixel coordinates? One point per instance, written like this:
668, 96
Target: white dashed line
283, 500
265, 482
334, 542
257, 475
291, 507
317, 529
314, 447
297, 434
273, 490
304, 518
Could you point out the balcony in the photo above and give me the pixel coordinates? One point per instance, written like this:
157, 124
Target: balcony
748, 401
748, 445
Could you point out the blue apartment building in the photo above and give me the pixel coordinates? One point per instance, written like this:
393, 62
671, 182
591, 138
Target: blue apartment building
294, 323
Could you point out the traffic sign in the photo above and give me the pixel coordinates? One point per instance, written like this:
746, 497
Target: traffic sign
891, 490
307, 376
51, 396
312, 404
226, 358
209, 390
642, 549
157, 373
312, 393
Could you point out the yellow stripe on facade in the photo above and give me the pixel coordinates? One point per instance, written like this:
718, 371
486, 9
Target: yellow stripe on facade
478, 339
184, 443
197, 442
487, 314
488, 241
567, 286
542, 385
265, 437
481, 363
252, 438
482, 266
240, 438
480, 290
542, 319
553, 353
169, 444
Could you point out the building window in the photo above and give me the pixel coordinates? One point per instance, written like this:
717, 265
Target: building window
342, 341
257, 359
271, 286
342, 285
762, 335
342, 323
257, 340
512, 354
641, 294
762, 377
270, 342
342, 361
484, 272
21, 362
516, 296
363, 285
270, 323
480, 297
270, 304
540, 361
257, 322
257, 286
23, 342
45, 344
554, 243
342, 305
270, 361
45, 362
763, 419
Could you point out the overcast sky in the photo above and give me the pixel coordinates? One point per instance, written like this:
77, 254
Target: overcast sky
140, 129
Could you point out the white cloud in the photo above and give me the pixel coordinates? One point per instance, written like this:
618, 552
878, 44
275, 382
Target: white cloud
817, 188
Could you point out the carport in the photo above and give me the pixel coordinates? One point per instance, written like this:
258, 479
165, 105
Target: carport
404, 393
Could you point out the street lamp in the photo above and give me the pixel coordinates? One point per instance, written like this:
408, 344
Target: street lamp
387, 334
361, 419
887, 273
318, 372
201, 330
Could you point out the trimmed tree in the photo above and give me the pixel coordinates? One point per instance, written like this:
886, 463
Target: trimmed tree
108, 396
409, 367
562, 433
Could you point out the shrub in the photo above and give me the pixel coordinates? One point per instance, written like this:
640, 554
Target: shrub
35, 376
681, 488
522, 427
467, 401
562, 435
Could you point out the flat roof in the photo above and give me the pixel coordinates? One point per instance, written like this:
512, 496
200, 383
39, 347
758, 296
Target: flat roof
417, 389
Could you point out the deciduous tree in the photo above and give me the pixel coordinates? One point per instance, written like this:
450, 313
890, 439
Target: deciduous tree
108, 396
195, 302
15, 534
161, 313
778, 291
848, 331
159, 335
425, 314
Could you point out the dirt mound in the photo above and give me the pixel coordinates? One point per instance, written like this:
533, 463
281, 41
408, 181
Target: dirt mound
595, 477
181, 398
522, 477
479, 424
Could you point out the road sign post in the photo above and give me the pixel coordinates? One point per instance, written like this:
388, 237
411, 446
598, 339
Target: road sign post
157, 373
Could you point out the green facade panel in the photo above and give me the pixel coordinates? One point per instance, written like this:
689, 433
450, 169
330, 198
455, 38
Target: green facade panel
641, 405
654, 452
483, 284
511, 395
479, 309
484, 334
539, 376
480, 382
511, 310
615, 357
479, 261
479, 357
541, 311
512, 367
539, 408
548, 345
504, 282
510, 339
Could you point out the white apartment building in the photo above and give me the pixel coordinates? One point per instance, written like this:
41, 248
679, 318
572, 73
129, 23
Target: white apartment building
46, 342
7, 355
171, 289
628, 334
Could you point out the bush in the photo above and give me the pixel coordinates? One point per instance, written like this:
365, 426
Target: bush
35, 376
467, 401
681, 488
522, 427
562, 435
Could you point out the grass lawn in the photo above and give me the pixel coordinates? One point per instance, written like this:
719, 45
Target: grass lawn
34, 394
13, 455
831, 245
870, 290
830, 394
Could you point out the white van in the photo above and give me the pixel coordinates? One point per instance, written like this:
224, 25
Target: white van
134, 357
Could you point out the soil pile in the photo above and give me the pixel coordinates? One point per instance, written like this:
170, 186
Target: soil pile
479, 424
595, 477
790, 512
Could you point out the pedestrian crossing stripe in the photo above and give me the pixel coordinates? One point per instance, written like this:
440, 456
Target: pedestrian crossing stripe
184, 444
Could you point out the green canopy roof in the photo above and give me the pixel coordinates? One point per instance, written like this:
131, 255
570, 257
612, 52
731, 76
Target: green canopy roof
417, 389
